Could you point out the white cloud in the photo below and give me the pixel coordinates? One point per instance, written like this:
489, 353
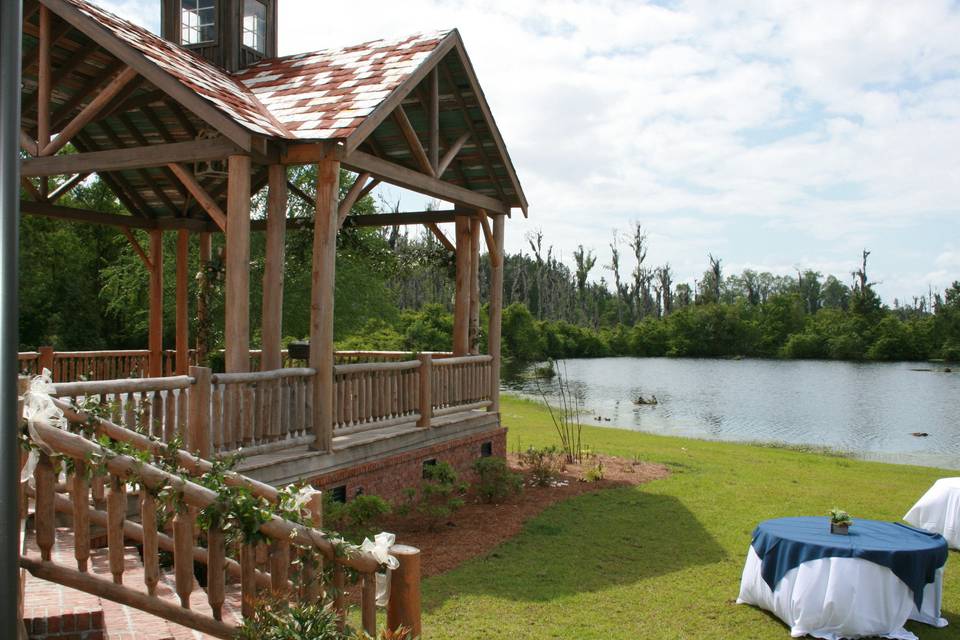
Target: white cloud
770, 133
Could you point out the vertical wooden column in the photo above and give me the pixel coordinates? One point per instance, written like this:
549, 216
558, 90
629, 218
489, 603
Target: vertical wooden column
156, 303
475, 286
321, 300
496, 312
403, 609
461, 307
203, 313
272, 327
183, 302
237, 312
44, 88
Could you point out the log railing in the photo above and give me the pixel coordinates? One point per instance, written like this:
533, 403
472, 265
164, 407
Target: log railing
269, 410
461, 384
375, 395
261, 410
273, 570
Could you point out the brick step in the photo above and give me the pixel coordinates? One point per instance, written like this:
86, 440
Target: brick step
56, 612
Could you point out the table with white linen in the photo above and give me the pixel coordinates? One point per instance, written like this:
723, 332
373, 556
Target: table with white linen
939, 510
833, 586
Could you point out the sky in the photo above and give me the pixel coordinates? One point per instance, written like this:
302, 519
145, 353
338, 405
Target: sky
775, 135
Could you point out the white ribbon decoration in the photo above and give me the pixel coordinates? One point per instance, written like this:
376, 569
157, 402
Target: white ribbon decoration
379, 548
38, 408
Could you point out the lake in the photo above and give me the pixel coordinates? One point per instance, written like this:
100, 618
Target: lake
867, 409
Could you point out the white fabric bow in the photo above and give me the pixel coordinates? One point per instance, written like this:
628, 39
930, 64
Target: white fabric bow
38, 408
379, 548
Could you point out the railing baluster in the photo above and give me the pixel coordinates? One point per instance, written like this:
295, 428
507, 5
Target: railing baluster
151, 553
248, 579
170, 416
116, 512
216, 395
368, 604
339, 594
216, 559
183, 554
80, 497
44, 514
279, 565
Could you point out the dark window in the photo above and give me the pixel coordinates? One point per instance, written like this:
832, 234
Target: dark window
339, 494
198, 21
486, 449
432, 462
358, 492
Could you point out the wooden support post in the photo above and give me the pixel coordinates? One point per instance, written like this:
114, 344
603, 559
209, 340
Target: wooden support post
156, 303
404, 606
321, 300
426, 390
461, 311
203, 313
46, 360
474, 286
433, 118
237, 314
183, 306
271, 331
496, 313
198, 434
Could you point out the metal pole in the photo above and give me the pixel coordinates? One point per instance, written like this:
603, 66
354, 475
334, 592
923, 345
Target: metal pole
10, 36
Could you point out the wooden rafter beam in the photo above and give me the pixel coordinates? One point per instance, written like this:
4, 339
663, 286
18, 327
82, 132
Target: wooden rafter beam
300, 193
372, 220
488, 236
44, 86
200, 194
89, 112
27, 143
370, 186
413, 141
433, 121
142, 141
127, 195
66, 187
62, 115
156, 155
414, 180
74, 214
148, 179
31, 189
351, 198
61, 72
439, 235
452, 152
132, 239
444, 163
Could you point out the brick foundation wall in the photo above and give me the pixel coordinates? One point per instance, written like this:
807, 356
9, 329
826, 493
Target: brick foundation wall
388, 477
81, 625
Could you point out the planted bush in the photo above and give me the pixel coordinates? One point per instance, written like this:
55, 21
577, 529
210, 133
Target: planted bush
440, 495
496, 480
357, 519
545, 464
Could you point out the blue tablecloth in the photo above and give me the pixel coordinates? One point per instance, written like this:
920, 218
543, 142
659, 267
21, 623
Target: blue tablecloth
912, 554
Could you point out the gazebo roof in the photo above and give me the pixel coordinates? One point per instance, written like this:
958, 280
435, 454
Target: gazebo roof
372, 101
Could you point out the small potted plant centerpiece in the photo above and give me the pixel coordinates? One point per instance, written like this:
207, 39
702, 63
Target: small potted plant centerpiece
840, 521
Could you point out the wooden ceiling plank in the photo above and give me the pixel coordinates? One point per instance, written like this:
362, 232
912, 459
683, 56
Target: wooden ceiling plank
62, 114
132, 129
89, 112
143, 173
59, 74
123, 190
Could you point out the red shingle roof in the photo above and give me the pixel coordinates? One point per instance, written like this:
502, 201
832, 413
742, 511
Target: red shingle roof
309, 96
327, 94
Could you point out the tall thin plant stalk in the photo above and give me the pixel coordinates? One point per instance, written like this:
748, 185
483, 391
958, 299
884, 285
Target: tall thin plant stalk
566, 417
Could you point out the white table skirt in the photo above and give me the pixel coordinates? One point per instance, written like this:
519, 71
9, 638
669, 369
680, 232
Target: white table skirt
939, 511
833, 598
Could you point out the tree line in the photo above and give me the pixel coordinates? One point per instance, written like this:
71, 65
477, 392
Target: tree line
83, 287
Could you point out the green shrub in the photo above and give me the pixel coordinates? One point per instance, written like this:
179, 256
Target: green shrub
545, 464
496, 480
595, 473
284, 620
440, 495
358, 518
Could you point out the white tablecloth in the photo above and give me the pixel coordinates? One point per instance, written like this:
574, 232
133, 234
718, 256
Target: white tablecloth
939, 511
833, 598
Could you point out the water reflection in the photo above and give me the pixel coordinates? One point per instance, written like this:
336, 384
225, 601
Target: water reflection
870, 409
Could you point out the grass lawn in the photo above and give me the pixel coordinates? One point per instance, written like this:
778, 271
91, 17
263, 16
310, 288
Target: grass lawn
662, 560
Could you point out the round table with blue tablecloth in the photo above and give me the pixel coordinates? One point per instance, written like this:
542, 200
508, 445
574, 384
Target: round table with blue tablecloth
831, 586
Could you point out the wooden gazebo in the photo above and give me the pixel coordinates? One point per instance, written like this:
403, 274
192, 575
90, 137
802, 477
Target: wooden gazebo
184, 143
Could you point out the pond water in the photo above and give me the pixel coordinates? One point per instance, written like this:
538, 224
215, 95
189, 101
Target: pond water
867, 409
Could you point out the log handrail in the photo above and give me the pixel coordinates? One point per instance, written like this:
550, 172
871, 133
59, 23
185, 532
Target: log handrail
261, 376
127, 385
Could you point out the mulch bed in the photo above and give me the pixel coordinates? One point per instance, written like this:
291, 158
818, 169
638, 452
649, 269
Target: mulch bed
477, 528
